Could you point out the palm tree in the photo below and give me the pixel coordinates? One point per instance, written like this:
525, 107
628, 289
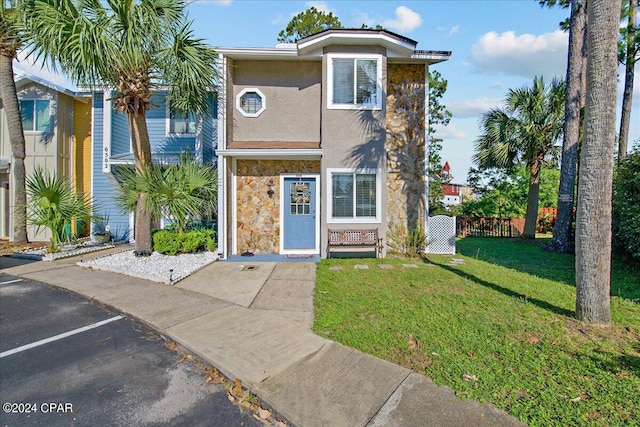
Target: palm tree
576, 70
11, 39
526, 130
628, 54
593, 216
131, 47
184, 192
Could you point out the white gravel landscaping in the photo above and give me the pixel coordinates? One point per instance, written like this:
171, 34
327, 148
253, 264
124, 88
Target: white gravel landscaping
157, 267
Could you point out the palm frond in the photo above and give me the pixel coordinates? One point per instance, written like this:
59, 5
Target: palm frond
526, 130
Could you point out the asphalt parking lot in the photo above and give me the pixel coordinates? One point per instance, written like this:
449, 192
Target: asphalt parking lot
66, 361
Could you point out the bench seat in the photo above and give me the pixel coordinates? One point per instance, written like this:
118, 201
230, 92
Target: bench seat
355, 238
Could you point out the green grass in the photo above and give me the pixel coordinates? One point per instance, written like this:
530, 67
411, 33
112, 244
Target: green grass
504, 316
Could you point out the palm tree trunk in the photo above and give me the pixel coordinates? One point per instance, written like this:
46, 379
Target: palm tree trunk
627, 97
16, 138
576, 74
531, 217
142, 158
593, 220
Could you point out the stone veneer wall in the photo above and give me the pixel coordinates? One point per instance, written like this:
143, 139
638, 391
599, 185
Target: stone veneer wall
405, 146
258, 226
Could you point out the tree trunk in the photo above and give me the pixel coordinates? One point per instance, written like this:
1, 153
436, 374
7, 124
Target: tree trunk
593, 221
627, 97
16, 138
531, 217
142, 158
576, 69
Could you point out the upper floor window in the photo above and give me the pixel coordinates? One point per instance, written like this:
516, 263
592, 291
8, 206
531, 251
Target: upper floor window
355, 82
36, 115
182, 124
251, 102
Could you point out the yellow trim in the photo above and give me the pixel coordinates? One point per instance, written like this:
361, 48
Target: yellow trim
82, 152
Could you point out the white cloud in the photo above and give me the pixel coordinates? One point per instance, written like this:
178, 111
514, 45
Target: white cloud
364, 18
26, 65
524, 55
451, 131
281, 19
319, 5
450, 31
406, 20
473, 107
216, 2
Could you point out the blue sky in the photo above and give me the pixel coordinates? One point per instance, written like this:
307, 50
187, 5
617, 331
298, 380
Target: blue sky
496, 45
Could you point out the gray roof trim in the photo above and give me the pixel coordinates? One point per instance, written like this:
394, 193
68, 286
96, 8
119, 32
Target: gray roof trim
25, 79
357, 31
396, 45
284, 52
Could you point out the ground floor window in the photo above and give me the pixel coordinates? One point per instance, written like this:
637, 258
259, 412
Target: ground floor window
354, 195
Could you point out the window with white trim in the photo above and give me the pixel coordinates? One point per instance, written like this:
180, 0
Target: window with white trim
355, 82
182, 124
354, 195
36, 115
251, 102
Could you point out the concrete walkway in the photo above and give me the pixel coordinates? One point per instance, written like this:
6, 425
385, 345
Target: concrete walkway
253, 322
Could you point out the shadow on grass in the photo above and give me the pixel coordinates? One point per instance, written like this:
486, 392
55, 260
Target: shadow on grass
522, 255
527, 256
506, 291
631, 361
615, 363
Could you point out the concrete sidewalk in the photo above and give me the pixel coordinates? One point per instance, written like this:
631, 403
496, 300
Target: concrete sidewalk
253, 322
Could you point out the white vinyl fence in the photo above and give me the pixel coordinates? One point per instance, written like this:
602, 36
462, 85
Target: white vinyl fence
442, 235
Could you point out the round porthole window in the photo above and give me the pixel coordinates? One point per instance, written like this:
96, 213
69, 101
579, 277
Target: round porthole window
251, 102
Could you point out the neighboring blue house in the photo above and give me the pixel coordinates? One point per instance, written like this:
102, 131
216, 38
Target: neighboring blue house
111, 145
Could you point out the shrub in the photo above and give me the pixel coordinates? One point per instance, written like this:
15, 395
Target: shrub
211, 244
626, 206
408, 243
195, 241
168, 242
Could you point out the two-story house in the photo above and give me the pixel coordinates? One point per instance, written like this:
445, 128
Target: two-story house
326, 133
170, 135
57, 132
80, 136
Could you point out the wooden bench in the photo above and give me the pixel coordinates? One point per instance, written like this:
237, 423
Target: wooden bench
355, 239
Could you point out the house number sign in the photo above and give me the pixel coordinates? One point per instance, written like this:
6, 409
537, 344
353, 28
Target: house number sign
105, 160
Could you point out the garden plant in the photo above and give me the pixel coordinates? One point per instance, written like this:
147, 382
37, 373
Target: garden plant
53, 204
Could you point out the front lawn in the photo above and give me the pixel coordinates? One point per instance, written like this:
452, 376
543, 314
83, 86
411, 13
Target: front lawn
495, 323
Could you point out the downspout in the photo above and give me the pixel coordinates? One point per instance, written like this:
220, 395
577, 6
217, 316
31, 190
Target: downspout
426, 153
222, 163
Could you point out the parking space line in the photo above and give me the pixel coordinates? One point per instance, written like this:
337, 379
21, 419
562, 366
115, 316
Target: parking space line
58, 337
11, 281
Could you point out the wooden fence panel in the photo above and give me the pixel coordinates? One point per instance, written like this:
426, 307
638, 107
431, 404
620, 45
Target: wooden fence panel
489, 227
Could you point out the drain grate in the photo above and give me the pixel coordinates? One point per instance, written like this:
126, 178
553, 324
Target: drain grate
249, 268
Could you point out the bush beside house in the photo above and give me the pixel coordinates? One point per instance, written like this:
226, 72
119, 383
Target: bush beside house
168, 242
626, 206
